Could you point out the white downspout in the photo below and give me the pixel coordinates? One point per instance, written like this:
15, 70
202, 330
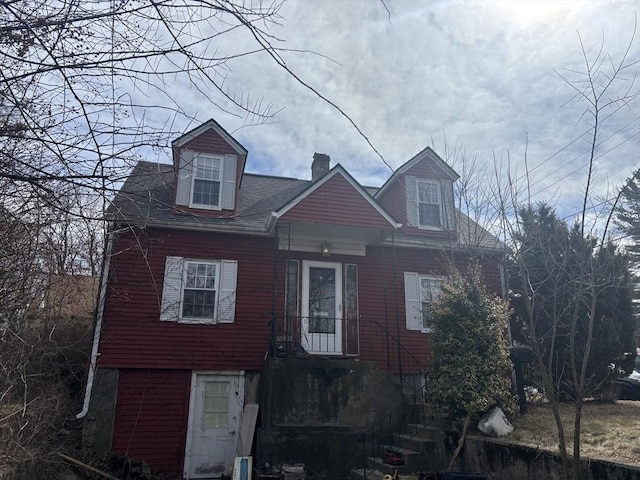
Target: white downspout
96, 334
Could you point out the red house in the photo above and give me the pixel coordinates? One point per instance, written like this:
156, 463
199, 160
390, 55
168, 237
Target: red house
212, 270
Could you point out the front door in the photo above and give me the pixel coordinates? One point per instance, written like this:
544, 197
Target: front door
322, 307
214, 423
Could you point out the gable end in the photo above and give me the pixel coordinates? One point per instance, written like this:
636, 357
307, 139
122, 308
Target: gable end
208, 166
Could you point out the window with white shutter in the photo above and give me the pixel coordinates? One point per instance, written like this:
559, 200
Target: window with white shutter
420, 291
206, 181
199, 291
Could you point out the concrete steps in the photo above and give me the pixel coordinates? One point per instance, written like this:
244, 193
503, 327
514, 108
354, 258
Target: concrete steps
418, 449
359, 474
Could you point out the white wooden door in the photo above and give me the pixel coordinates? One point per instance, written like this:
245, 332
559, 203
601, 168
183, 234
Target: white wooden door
214, 423
322, 307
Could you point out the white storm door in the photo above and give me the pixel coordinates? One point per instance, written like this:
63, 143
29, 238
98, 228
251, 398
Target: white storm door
322, 307
214, 425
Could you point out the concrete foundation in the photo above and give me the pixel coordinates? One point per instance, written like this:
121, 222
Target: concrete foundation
97, 429
315, 411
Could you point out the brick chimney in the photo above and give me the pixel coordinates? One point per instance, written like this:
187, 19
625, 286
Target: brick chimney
320, 165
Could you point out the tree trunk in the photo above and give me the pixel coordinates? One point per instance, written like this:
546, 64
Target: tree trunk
577, 464
463, 435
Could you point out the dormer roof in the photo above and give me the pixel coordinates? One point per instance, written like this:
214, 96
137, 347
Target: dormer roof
426, 154
190, 138
210, 124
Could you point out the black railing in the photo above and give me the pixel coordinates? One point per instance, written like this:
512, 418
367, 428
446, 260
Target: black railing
318, 335
385, 436
396, 358
341, 337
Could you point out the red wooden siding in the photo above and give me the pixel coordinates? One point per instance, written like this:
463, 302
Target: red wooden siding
210, 142
336, 202
151, 417
394, 200
375, 292
381, 311
426, 169
133, 335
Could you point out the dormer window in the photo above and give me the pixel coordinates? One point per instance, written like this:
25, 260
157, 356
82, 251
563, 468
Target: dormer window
428, 204
206, 181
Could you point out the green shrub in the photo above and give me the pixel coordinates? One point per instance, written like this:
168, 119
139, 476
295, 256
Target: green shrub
470, 367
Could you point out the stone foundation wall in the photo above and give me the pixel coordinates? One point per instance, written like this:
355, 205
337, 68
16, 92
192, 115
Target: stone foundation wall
502, 460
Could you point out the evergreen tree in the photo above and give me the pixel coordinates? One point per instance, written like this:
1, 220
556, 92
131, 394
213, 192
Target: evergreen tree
628, 216
470, 367
568, 276
628, 219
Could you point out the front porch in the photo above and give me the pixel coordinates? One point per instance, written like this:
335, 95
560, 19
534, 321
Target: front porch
295, 339
315, 410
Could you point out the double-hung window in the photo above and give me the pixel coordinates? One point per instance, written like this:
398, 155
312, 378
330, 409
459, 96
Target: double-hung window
420, 291
430, 288
199, 290
429, 203
429, 212
206, 181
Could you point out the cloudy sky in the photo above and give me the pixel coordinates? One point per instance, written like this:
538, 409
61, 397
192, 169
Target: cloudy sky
475, 80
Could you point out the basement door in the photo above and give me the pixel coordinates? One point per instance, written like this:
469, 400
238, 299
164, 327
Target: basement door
214, 423
322, 307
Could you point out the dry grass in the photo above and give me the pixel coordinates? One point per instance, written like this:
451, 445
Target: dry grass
610, 431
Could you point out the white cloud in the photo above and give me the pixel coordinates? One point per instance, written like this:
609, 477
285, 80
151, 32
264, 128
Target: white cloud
480, 73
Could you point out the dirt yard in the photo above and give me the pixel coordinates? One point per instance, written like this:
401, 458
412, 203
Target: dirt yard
609, 431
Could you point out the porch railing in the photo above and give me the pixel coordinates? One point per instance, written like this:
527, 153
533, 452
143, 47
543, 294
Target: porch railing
386, 433
295, 334
318, 335
396, 358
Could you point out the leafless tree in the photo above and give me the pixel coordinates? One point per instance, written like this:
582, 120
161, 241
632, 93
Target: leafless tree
86, 89
604, 86
84, 86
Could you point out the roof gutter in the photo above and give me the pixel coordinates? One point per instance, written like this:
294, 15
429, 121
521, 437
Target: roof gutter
273, 218
96, 334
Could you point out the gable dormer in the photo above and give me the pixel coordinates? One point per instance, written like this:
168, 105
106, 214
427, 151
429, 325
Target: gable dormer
420, 194
209, 164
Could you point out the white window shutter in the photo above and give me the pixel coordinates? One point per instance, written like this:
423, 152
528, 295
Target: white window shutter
183, 185
172, 286
229, 182
227, 291
448, 223
412, 302
411, 195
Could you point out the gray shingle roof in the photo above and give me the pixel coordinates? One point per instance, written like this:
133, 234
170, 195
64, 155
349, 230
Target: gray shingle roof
146, 198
